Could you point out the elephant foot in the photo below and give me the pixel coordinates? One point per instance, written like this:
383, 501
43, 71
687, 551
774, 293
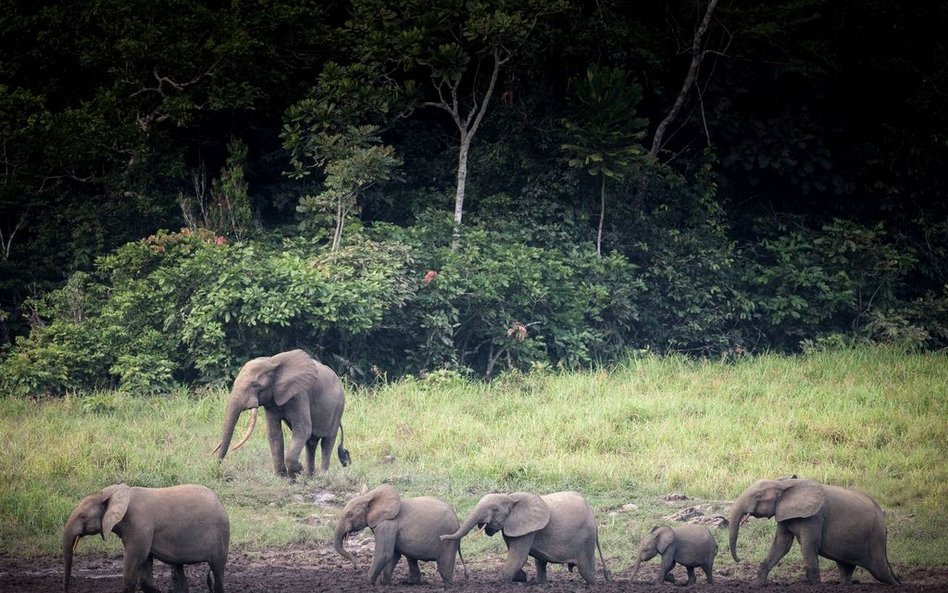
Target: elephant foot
520, 576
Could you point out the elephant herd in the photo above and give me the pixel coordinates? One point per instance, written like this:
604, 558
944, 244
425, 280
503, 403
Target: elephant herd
187, 524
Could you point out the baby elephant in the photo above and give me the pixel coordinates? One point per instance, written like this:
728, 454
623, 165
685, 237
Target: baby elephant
688, 545
409, 527
177, 525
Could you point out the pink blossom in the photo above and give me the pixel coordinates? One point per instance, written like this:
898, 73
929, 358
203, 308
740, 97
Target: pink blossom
431, 275
517, 331
221, 241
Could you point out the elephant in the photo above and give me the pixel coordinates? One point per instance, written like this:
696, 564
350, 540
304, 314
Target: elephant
844, 525
558, 528
178, 525
409, 527
689, 545
295, 389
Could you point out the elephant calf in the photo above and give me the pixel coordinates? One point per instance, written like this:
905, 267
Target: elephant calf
177, 525
558, 528
409, 527
689, 545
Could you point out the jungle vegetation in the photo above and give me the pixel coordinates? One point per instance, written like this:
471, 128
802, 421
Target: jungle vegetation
408, 186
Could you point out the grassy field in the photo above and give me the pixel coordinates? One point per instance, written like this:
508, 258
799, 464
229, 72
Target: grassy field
871, 418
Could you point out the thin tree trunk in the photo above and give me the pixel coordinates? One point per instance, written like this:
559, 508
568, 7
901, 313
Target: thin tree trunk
602, 215
696, 57
462, 184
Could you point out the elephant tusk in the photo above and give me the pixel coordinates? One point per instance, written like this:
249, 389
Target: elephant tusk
75, 543
246, 437
217, 448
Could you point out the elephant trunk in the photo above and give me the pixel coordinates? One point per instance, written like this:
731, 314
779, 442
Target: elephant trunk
638, 565
739, 510
230, 423
469, 523
342, 530
71, 535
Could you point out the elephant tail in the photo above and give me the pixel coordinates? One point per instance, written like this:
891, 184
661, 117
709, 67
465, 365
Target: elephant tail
605, 569
343, 453
463, 564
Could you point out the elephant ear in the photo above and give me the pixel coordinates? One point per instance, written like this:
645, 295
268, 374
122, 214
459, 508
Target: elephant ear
528, 514
664, 537
384, 504
115, 498
800, 499
295, 374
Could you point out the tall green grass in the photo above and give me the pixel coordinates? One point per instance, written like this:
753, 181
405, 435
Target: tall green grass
872, 418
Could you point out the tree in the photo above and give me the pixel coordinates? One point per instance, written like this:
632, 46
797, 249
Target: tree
353, 161
697, 56
604, 130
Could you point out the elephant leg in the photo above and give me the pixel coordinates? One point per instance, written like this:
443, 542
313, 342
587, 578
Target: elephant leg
708, 572
325, 450
846, 572
541, 571
311, 456
414, 572
692, 579
518, 548
664, 570
385, 556
447, 556
390, 568
300, 434
179, 584
147, 579
275, 438
586, 564
783, 539
217, 569
136, 559
809, 549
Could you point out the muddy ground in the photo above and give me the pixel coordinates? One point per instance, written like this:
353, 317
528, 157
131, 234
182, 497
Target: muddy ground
312, 571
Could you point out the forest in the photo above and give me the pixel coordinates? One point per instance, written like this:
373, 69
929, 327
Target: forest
404, 187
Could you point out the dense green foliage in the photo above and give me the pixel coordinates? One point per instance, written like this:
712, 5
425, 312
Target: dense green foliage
868, 418
311, 153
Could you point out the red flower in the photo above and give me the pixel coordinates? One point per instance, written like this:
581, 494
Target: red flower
517, 331
431, 275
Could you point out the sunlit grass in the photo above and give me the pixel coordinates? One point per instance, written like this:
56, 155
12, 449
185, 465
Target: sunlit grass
872, 419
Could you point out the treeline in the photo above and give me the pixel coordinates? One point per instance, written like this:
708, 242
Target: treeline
469, 184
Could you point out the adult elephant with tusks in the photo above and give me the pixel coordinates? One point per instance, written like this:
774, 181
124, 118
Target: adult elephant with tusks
844, 525
296, 390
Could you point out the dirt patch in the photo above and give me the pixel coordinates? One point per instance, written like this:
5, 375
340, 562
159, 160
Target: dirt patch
309, 571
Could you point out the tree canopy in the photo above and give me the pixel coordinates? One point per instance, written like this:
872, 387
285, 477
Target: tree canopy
222, 179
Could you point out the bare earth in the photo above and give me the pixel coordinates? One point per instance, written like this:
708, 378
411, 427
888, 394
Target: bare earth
313, 571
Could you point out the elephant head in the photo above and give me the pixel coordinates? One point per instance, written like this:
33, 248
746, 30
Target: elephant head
786, 498
96, 513
262, 381
367, 509
658, 540
515, 514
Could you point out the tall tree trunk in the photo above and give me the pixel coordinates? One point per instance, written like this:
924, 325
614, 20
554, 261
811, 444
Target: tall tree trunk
697, 55
602, 215
462, 184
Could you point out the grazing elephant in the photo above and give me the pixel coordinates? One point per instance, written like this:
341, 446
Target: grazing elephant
409, 527
689, 545
177, 525
295, 389
558, 528
843, 525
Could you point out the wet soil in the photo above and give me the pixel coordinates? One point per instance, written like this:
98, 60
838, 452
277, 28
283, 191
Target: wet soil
313, 571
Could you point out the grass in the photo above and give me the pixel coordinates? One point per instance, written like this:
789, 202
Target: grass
870, 418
